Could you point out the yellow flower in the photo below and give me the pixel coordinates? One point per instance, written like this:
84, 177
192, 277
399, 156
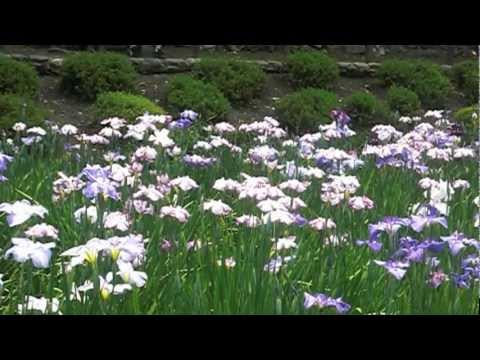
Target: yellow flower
105, 294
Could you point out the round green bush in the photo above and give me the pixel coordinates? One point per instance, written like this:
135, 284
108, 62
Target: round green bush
405, 101
396, 72
306, 109
17, 77
366, 110
16, 108
90, 74
124, 105
425, 78
312, 69
469, 117
186, 93
466, 77
239, 81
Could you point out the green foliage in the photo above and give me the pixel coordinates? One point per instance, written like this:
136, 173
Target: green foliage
187, 93
239, 81
396, 72
403, 100
306, 109
90, 74
15, 108
124, 105
366, 109
425, 78
466, 77
312, 69
469, 117
17, 77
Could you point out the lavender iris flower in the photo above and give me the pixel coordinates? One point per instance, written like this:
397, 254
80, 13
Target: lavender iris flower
323, 301
411, 250
455, 242
341, 118
324, 163
4, 160
434, 246
374, 245
433, 217
198, 161
182, 123
462, 281
388, 161
98, 182
300, 220
396, 268
390, 224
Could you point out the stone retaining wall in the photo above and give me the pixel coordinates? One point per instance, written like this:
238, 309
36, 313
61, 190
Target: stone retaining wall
148, 66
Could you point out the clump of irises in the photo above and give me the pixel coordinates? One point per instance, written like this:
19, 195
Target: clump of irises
146, 212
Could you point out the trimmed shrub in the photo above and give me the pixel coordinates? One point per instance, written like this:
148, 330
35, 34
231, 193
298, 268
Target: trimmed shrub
16, 108
186, 93
405, 101
306, 109
466, 77
90, 74
124, 105
425, 78
467, 118
396, 72
239, 81
312, 69
366, 110
17, 77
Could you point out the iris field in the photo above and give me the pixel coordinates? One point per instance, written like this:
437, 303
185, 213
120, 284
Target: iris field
169, 216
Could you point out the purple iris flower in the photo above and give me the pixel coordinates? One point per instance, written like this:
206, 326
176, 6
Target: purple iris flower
341, 118
406, 155
324, 163
471, 261
456, 242
98, 182
434, 246
433, 217
374, 245
198, 161
462, 280
341, 306
439, 141
396, 268
390, 224
300, 220
92, 173
390, 160
323, 301
411, 250
418, 167
182, 123
4, 160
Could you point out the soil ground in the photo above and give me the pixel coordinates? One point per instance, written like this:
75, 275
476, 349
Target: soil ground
67, 109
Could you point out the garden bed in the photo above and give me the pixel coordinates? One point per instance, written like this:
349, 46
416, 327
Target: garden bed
65, 108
